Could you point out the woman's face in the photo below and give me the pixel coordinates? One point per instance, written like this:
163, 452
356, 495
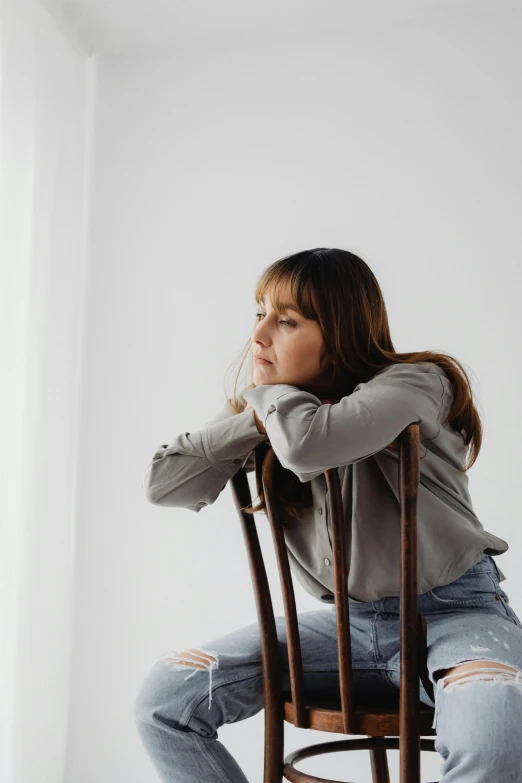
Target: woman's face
293, 345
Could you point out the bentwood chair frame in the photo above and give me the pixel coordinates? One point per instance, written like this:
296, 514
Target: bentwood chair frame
399, 726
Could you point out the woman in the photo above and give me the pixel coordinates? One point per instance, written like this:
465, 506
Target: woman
330, 391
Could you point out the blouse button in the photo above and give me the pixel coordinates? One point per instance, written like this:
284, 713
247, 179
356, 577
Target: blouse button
327, 561
320, 510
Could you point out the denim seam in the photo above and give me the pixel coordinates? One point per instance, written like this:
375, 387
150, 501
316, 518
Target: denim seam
377, 657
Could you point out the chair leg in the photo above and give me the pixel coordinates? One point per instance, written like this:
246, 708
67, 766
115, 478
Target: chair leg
379, 762
274, 737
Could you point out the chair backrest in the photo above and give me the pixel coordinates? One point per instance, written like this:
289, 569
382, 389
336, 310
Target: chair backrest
411, 628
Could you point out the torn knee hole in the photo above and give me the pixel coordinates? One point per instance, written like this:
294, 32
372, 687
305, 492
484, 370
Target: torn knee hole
491, 672
193, 658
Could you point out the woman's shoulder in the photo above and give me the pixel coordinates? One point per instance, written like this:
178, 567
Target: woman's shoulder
415, 377
405, 369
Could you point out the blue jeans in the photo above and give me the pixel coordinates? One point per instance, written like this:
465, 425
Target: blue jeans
179, 708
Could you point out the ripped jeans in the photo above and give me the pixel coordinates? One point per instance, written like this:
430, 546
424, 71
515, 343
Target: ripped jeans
478, 718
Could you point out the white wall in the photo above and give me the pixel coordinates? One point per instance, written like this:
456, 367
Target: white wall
45, 91
400, 144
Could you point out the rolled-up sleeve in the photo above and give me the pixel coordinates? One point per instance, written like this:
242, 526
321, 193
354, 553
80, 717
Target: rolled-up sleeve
309, 438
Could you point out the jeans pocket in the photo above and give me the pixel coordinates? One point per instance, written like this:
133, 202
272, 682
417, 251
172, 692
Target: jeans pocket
472, 588
503, 597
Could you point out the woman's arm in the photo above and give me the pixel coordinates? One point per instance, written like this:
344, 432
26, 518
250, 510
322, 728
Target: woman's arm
192, 470
309, 437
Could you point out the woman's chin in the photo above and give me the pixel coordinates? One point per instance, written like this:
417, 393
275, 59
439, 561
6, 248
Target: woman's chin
263, 370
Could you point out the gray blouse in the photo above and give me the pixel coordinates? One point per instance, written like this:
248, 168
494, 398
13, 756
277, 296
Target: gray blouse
352, 435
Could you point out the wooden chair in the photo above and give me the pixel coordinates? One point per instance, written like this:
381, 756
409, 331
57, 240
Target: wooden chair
399, 726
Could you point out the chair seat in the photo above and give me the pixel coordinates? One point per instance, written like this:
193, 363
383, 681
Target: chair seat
374, 720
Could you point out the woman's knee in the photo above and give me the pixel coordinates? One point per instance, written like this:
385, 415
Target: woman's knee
478, 724
199, 689
162, 697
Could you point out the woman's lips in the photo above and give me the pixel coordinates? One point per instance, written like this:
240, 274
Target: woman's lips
261, 361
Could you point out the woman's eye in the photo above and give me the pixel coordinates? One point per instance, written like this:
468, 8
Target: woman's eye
287, 323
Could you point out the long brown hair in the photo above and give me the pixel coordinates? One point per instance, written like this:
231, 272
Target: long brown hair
337, 289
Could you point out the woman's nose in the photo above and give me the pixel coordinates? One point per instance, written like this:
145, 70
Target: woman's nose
258, 332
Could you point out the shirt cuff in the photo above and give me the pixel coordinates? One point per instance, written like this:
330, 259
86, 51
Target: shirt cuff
229, 442
262, 398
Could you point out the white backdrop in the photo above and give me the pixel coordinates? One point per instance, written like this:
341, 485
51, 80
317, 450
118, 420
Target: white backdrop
402, 146
397, 142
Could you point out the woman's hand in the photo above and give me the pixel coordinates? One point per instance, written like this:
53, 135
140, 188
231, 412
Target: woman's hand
259, 423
